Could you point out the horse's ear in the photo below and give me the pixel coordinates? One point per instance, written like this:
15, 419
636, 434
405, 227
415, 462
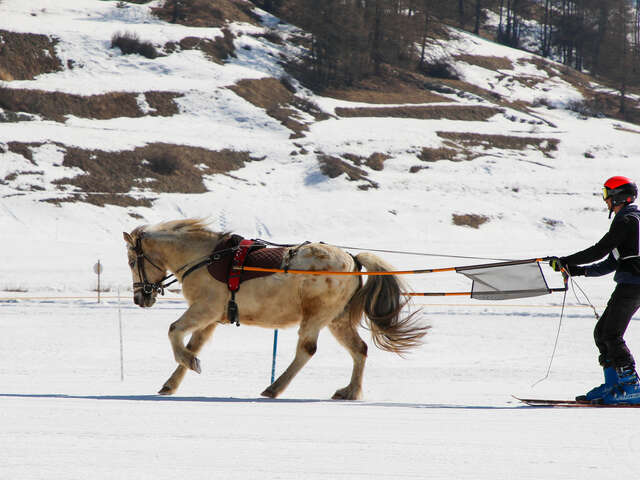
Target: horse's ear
128, 239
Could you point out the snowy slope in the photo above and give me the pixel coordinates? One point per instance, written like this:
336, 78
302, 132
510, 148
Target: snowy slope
445, 412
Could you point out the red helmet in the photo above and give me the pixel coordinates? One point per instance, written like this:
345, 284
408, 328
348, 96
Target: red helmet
620, 190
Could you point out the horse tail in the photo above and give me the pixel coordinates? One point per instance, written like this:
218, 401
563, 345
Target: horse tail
381, 301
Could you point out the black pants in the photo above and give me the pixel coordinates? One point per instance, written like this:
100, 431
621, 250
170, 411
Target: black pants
624, 302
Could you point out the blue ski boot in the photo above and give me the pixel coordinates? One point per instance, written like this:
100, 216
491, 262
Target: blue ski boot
610, 381
628, 388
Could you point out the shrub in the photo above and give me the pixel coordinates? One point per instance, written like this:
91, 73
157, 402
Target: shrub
469, 220
129, 43
439, 69
164, 164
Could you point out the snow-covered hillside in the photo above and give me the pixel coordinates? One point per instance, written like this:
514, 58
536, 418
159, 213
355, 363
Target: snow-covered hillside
453, 156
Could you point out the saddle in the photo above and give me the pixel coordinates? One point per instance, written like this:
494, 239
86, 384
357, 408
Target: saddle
231, 255
257, 255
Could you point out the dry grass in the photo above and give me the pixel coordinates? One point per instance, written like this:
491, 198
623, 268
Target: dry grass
5, 76
333, 167
109, 177
375, 161
490, 63
623, 129
217, 50
442, 153
56, 105
502, 142
444, 112
21, 149
23, 56
382, 91
279, 102
469, 220
464, 146
392, 86
208, 13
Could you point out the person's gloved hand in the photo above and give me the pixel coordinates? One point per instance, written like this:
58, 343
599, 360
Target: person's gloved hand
556, 263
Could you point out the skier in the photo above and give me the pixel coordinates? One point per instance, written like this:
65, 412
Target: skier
622, 244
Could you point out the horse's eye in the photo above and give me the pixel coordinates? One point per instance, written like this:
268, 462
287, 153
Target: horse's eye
132, 263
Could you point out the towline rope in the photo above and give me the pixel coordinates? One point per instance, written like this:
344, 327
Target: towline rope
441, 255
399, 252
394, 272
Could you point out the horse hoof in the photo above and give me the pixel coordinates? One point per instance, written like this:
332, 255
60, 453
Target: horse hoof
165, 390
269, 393
344, 394
195, 365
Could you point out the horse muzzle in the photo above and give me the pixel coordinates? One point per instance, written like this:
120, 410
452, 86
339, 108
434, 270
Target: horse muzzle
144, 300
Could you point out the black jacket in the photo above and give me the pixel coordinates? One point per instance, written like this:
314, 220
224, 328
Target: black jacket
621, 243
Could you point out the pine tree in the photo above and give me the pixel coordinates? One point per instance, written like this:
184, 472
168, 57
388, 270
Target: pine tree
616, 61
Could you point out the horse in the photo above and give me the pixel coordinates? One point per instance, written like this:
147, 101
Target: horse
277, 301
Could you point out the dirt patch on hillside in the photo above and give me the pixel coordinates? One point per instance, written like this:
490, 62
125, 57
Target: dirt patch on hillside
111, 177
21, 149
474, 92
217, 50
490, 63
443, 153
469, 220
602, 104
206, 13
401, 87
333, 167
462, 146
23, 56
56, 105
279, 102
457, 140
375, 161
435, 112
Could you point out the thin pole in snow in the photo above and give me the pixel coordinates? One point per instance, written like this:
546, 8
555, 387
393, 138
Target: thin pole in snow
275, 349
121, 342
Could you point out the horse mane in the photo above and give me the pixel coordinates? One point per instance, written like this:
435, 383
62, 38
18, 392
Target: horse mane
195, 227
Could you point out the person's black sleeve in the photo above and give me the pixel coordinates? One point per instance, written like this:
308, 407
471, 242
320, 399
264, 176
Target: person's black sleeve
611, 240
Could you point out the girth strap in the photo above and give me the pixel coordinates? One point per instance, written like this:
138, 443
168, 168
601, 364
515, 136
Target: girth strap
239, 258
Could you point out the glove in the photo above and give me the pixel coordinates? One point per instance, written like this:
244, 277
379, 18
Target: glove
556, 263
575, 270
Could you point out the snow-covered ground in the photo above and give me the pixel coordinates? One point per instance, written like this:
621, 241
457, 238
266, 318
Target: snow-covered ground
446, 411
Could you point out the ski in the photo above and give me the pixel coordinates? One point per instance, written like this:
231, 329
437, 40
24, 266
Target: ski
543, 402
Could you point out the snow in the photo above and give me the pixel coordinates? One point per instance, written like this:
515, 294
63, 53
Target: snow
445, 411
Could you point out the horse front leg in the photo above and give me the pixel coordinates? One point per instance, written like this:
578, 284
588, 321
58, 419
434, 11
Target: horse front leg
195, 318
197, 341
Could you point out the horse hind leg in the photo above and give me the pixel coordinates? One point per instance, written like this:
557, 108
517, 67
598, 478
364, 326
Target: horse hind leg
347, 335
197, 341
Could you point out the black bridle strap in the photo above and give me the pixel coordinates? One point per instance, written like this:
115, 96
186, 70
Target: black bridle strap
145, 285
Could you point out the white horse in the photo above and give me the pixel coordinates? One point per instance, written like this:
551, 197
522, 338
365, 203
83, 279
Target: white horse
276, 301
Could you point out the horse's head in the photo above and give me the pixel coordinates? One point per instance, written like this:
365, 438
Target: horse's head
147, 271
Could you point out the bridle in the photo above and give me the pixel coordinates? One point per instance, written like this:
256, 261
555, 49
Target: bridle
145, 285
